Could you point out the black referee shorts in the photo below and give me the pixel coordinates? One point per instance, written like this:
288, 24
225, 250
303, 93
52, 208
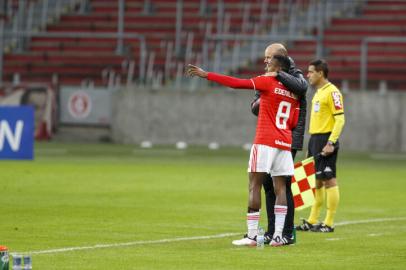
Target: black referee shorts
325, 166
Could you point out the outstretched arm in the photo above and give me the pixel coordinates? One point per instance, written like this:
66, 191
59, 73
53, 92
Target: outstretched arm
230, 81
221, 79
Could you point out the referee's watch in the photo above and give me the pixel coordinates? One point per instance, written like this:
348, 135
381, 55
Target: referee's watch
330, 143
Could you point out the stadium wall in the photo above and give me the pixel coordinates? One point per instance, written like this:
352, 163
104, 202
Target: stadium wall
374, 122
169, 116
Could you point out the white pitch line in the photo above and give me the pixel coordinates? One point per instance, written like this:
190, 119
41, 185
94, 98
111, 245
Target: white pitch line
375, 234
369, 221
135, 243
180, 239
333, 239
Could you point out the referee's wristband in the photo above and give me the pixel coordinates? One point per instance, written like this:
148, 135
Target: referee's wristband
330, 143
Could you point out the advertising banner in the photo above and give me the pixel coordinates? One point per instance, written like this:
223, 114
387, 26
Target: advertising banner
16, 132
85, 106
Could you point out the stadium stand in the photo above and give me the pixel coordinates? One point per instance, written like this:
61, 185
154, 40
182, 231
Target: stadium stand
342, 46
76, 59
74, 49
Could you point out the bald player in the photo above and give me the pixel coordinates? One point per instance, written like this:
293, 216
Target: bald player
294, 80
270, 152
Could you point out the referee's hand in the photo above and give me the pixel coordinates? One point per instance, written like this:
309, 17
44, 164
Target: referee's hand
328, 149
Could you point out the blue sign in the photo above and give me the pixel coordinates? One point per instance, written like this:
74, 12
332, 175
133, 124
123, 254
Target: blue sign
16, 132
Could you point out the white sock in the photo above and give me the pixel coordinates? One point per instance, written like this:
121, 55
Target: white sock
280, 215
252, 224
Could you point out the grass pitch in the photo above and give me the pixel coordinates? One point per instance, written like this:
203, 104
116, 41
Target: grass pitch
121, 207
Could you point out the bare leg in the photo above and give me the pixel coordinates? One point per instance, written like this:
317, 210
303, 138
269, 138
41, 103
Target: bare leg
319, 183
254, 202
330, 183
255, 184
279, 183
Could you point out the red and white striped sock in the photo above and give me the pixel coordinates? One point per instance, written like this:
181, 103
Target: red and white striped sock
280, 215
252, 224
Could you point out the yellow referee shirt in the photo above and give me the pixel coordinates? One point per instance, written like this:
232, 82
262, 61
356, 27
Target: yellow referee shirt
327, 114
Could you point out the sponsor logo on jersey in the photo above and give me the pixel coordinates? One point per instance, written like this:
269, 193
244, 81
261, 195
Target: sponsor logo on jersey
278, 142
337, 100
317, 106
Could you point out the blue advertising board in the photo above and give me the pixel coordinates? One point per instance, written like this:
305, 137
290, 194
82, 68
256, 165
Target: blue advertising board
16, 132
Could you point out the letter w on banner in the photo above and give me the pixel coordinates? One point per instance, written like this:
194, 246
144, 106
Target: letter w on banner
304, 184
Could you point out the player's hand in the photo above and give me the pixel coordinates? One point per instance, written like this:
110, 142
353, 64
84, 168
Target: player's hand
328, 149
195, 71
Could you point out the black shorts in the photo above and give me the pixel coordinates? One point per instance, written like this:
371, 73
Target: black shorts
325, 166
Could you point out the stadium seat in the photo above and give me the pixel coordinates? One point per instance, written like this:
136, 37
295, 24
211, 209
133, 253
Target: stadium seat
80, 58
342, 44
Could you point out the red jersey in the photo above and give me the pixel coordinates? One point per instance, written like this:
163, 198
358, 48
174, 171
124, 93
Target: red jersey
279, 108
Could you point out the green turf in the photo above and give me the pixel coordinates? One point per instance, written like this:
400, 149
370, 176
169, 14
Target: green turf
84, 195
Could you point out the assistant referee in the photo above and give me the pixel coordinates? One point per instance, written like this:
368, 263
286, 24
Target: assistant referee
326, 123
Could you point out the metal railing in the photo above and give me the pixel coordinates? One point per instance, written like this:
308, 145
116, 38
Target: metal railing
223, 53
285, 20
120, 27
30, 20
295, 20
305, 16
179, 16
364, 55
118, 36
255, 39
33, 16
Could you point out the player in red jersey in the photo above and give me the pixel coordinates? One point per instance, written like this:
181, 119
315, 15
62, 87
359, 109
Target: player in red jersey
270, 152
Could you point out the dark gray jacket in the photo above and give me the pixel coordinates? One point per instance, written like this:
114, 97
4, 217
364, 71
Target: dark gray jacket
296, 83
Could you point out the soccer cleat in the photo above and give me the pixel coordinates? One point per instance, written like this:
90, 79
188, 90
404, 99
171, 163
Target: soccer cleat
285, 239
288, 240
267, 238
246, 241
281, 241
322, 228
305, 226
277, 241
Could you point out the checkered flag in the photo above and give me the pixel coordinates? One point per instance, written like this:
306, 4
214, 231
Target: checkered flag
304, 184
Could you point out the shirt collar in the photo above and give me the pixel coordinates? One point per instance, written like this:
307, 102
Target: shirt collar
324, 87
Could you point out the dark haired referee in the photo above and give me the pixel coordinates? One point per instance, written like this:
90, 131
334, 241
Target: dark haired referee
297, 84
326, 123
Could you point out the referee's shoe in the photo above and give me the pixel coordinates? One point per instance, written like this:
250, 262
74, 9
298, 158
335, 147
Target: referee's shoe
322, 228
305, 226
